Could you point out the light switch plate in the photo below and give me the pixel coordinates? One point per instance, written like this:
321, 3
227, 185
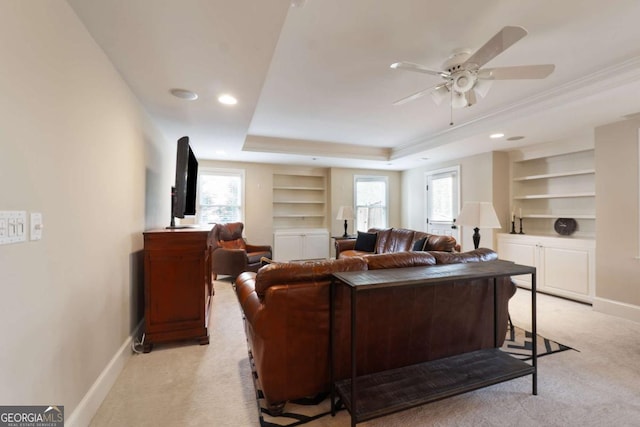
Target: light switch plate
12, 227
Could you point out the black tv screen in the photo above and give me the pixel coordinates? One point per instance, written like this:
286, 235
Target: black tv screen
186, 180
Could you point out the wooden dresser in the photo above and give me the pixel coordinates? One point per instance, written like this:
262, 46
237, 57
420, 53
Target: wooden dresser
177, 285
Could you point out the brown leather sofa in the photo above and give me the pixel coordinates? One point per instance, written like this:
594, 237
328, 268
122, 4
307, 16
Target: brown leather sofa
286, 310
231, 254
396, 240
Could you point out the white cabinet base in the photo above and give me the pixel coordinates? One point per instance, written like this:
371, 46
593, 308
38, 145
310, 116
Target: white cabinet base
565, 266
294, 244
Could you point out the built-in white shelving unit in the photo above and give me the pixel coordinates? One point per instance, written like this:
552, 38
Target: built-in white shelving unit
546, 187
299, 200
547, 184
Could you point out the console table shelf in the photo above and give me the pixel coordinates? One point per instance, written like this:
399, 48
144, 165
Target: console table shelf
399, 389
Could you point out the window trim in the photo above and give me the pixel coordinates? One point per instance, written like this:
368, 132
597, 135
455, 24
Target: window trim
227, 172
382, 178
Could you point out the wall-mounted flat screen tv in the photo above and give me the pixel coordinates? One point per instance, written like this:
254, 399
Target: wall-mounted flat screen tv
184, 192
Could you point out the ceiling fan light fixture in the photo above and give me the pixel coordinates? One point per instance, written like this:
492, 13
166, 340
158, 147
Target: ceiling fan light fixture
463, 81
482, 87
458, 100
439, 94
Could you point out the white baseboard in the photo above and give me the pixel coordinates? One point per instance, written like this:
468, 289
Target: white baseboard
88, 406
617, 308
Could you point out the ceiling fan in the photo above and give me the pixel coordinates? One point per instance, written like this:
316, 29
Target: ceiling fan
464, 76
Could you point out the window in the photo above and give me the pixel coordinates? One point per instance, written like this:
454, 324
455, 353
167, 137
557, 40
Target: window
371, 202
221, 196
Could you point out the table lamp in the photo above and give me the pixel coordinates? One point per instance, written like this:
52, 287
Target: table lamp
345, 213
478, 215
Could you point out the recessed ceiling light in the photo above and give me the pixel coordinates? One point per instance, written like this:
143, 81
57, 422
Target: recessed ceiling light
221, 152
227, 99
515, 138
184, 94
496, 135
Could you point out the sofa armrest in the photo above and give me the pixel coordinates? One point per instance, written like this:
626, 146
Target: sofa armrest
229, 261
250, 303
344, 245
258, 248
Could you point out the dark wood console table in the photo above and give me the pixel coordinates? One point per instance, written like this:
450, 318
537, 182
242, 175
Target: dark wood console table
177, 285
377, 394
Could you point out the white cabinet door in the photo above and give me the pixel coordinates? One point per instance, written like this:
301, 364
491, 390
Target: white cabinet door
523, 253
567, 272
316, 245
287, 247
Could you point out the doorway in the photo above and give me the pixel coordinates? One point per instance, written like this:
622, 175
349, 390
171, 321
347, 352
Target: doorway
442, 198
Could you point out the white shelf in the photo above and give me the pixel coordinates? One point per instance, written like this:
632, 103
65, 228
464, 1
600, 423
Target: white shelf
299, 188
298, 216
554, 216
556, 175
555, 196
300, 202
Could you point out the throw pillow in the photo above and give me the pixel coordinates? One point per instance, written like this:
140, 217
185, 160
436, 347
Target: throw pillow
366, 242
419, 244
233, 244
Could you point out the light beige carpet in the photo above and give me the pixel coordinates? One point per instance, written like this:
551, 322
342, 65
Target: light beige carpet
211, 385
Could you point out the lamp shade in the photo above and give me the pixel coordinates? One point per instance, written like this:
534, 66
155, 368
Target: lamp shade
345, 212
479, 215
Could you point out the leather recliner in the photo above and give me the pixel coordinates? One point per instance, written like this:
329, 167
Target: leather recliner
231, 254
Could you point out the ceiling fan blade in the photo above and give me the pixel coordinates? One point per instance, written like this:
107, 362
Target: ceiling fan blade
412, 97
518, 72
496, 45
410, 66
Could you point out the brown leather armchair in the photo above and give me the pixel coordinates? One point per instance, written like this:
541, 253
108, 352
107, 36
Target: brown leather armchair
231, 254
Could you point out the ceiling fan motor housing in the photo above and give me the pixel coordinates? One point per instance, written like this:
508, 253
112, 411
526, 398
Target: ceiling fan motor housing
464, 80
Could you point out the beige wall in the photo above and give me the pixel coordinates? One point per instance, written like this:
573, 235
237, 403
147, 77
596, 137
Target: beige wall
483, 177
617, 234
76, 147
